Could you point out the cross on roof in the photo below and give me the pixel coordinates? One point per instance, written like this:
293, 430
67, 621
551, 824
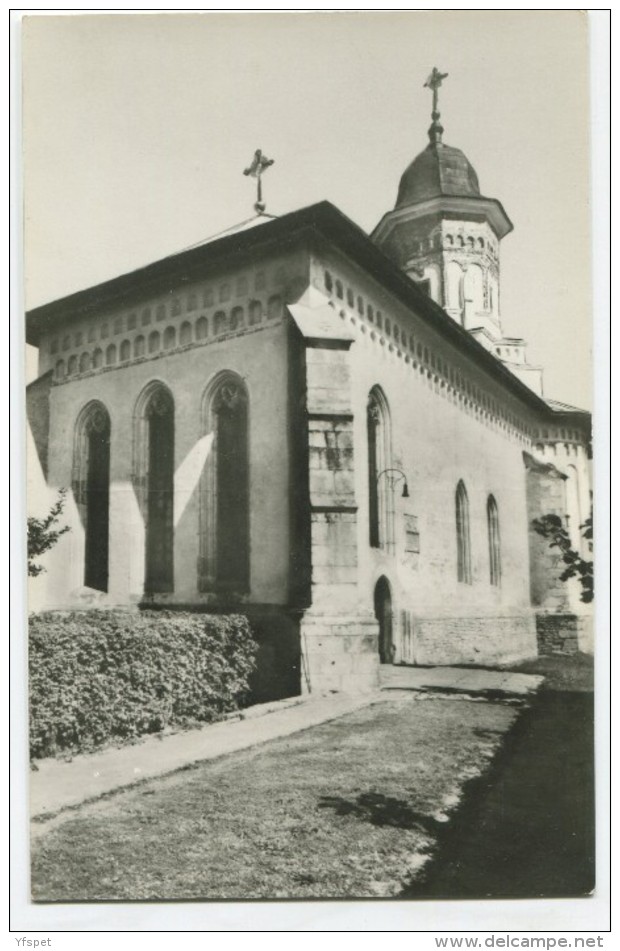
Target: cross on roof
256, 168
433, 82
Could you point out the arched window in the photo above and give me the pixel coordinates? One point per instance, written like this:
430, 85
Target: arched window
225, 510
380, 485
170, 338
237, 319
91, 490
85, 362
60, 369
125, 351
220, 322
154, 481
274, 306
72, 365
138, 346
110, 355
256, 311
98, 358
202, 328
495, 555
154, 341
185, 333
463, 545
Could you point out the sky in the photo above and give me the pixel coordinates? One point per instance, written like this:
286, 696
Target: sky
137, 128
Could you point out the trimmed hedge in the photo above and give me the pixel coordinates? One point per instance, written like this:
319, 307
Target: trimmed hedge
101, 676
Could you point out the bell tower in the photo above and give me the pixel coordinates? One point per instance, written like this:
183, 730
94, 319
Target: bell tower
446, 236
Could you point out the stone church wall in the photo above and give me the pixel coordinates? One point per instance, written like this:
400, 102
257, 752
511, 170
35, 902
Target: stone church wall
250, 340
441, 434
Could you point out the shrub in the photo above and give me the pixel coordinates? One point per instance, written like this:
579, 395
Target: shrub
100, 676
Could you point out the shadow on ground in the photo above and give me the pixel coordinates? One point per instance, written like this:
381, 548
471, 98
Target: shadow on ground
525, 828
381, 810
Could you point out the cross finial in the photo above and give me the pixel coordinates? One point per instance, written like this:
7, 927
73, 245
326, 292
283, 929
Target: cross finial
258, 165
433, 82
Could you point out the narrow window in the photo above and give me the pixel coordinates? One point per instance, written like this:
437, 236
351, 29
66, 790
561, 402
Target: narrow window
125, 352
91, 489
380, 484
72, 365
329, 283
110, 355
159, 456
495, 557
138, 346
462, 535
98, 358
230, 409
60, 369
84, 363
224, 562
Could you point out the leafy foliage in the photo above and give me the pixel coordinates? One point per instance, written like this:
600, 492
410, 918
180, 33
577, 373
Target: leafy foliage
552, 527
43, 534
100, 676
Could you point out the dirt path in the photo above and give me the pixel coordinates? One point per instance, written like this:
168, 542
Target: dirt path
526, 829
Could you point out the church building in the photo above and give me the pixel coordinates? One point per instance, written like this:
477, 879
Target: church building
324, 430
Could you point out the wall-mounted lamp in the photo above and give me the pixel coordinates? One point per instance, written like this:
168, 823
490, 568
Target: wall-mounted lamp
394, 479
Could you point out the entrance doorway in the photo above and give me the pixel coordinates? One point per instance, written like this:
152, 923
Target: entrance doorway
383, 613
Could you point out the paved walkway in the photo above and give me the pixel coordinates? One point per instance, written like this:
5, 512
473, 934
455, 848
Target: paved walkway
58, 785
459, 680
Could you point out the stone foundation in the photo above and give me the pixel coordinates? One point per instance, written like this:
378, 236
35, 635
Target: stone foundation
565, 633
470, 640
339, 653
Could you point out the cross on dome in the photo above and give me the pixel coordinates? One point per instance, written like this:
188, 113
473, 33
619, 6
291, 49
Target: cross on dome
434, 81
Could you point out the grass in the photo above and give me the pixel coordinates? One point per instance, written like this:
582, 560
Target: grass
572, 672
352, 808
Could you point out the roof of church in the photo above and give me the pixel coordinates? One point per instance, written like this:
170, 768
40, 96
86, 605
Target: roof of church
323, 221
438, 170
559, 407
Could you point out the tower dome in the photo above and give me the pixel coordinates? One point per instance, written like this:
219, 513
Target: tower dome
437, 171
